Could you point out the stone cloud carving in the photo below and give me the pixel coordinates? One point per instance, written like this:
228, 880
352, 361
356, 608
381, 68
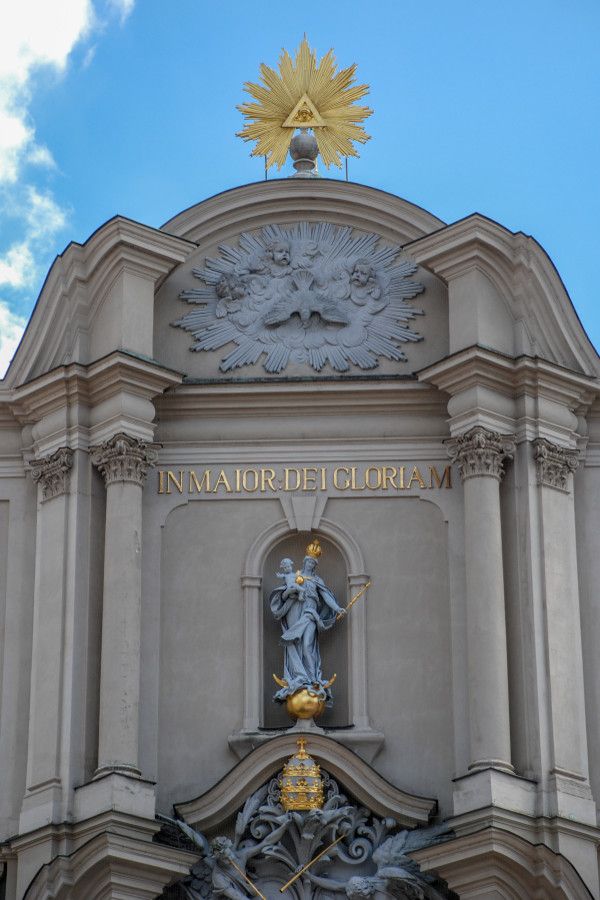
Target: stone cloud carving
311, 293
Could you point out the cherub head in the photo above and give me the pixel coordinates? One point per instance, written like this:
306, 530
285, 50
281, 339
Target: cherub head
286, 565
222, 847
279, 253
229, 287
362, 273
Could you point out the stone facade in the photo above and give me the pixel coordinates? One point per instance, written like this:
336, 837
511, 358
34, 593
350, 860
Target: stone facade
148, 492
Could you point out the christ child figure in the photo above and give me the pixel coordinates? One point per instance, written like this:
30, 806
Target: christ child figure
289, 576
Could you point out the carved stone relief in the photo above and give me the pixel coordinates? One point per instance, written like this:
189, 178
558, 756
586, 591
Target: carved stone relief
554, 464
311, 293
123, 458
367, 856
53, 472
481, 452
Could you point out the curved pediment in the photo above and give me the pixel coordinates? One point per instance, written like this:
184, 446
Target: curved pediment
505, 294
288, 200
214, 807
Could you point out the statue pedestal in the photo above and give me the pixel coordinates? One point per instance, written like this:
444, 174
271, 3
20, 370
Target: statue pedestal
365, 742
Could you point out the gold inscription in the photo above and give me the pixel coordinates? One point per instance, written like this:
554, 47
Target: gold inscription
416, 476
222, 480
338, 484
199, 485
388, 476
373, 476
305, 479
288, 485
267, 477
309, 478
178, 482
434, 476
250, 480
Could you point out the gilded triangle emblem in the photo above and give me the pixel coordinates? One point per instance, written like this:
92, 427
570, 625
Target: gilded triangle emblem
304, 115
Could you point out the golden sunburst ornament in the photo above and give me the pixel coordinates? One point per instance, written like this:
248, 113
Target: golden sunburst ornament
305, 95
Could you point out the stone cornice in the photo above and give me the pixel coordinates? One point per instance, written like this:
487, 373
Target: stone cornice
52, 472
78, 279
480, 366
524, 276
336, 397
291, 200
124, 459
74, 384
119, 855
554, 464
526, 395
453, 250
480, 452
503, 858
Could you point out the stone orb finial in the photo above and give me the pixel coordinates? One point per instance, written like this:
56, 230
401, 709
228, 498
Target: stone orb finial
304, 151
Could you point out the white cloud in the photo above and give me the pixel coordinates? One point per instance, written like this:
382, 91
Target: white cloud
41, 156
90, 53
11, 329
32, 35
122, 7
35, 35
17, 267
43, 215
15, 137
44, 219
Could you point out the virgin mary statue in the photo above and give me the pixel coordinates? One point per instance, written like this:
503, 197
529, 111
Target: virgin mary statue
305, 606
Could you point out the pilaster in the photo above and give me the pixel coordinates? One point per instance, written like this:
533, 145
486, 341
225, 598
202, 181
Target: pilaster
587, 506
481, 456
44, 793
123, 462
567, 788
540, 404
62, 412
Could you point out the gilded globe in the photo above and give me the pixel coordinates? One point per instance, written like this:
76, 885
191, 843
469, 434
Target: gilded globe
304, 704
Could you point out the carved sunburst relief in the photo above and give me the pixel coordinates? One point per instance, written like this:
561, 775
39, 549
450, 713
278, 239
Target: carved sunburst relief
311, 293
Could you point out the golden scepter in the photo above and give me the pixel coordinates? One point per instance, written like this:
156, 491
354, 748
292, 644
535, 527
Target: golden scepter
308, 865
245, 877
353, 601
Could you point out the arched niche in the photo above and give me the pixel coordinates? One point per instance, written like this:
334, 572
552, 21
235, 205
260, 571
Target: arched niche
358, 732
333, 643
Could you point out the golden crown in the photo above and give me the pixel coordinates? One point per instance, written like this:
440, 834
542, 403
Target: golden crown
314, 549
300, 782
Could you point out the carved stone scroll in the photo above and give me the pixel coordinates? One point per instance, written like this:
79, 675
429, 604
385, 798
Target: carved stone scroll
481, 452
123, 458
554, 464
52, 472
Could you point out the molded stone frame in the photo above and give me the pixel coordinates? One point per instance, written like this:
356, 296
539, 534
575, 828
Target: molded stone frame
498, 864
360, 736
214, 808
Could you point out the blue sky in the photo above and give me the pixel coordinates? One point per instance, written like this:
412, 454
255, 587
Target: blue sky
128, 106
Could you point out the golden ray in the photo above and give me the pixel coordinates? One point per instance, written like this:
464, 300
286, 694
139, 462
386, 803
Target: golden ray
305, 94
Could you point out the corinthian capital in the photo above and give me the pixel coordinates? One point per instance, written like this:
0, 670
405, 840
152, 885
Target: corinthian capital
481, 452
52, 472
123, 458
554, 464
